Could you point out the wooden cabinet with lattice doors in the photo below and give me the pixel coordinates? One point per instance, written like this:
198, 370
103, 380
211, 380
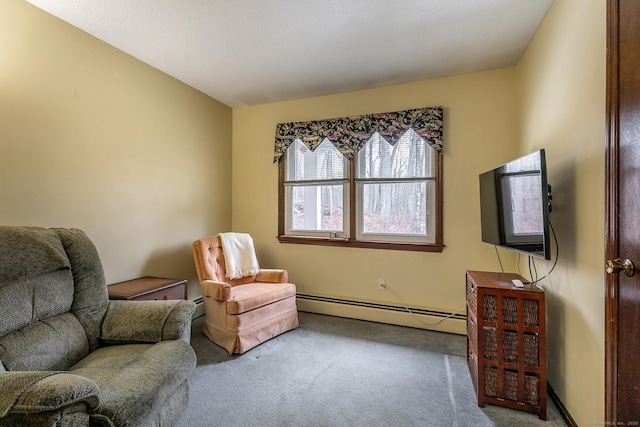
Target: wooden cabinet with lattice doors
506, 342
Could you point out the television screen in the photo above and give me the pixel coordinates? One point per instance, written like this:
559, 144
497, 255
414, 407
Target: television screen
514, 205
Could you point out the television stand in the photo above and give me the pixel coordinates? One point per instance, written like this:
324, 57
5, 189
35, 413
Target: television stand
506, 342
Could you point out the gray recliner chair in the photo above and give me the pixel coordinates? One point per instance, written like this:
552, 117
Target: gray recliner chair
71, 357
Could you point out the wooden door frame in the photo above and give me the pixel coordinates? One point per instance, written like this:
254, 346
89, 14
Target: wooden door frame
612, 176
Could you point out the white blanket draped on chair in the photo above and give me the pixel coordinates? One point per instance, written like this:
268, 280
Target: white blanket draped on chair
239, 255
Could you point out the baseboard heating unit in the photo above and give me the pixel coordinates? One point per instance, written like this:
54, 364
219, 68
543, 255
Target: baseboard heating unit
372, 311
384, 313
199, 307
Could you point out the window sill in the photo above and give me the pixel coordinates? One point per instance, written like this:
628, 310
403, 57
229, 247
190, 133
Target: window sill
324, 241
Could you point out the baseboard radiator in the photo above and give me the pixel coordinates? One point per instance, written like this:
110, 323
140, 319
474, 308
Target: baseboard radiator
372, 311
199, 307
384, 313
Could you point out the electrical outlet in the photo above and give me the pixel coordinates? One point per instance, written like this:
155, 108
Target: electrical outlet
382, 285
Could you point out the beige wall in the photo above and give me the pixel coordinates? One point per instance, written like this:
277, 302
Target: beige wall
94, 139
479, 133
561, 80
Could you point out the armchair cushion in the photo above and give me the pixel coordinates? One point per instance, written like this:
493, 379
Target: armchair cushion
255, 295
31, 301
52, 344
272, 275
219, 291
38, 391
41, 252
146, 321
137, 380
90, 296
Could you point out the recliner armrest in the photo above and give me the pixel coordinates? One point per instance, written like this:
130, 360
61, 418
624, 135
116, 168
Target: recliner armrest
28, 392
219, 291
272, 275
147, 321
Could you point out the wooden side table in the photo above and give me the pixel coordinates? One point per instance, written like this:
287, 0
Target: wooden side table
149, 288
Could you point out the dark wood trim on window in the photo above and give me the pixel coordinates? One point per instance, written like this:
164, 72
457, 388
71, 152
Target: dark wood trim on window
325, 241
281, 206
352, 242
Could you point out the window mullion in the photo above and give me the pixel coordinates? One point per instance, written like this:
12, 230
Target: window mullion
438, 210
281, 197
352, 199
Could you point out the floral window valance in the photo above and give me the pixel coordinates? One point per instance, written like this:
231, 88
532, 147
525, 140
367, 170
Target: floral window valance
349, 134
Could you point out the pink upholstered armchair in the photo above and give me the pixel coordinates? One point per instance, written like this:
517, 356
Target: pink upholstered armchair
243, 312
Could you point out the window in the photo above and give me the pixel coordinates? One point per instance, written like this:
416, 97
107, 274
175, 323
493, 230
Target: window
395, 190
362, 189
315, 188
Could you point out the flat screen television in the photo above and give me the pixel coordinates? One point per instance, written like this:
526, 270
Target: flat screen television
515, 204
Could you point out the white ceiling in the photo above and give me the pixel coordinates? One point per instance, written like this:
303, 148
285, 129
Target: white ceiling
247, 52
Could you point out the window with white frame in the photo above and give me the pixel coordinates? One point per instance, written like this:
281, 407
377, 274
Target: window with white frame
395, 190
366, 181
316, 186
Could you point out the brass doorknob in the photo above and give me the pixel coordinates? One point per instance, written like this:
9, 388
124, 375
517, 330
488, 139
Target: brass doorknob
616, 266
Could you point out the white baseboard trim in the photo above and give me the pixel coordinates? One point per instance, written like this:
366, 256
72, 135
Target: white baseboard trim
383, 313
199, 300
